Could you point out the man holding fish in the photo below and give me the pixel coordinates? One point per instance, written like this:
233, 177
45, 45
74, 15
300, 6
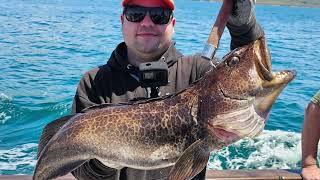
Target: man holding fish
148, 27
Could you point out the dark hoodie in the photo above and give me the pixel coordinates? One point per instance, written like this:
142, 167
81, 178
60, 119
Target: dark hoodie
115, 81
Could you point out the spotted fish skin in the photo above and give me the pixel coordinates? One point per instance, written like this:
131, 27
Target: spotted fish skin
229, 103
145, 135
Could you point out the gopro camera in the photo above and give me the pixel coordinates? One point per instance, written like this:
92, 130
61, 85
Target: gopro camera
153, 74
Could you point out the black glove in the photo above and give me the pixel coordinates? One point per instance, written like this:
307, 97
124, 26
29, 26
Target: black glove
242, 23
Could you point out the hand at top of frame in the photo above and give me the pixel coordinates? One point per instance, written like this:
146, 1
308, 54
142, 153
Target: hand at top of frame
242, 12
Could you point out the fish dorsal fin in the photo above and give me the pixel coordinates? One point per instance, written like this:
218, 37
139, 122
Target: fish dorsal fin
49, 130
142, 100
139, 100
192, 161
104, 105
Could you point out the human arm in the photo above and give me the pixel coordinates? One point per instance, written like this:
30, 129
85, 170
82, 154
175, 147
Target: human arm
310, 139
242, 24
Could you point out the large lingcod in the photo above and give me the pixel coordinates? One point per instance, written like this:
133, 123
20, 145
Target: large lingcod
230, 102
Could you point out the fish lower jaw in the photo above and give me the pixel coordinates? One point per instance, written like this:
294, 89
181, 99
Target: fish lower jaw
270, 92
280, 79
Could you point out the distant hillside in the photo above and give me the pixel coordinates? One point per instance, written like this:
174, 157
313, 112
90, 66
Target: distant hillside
305, 3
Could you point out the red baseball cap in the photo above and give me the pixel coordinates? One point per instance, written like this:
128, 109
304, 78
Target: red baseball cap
161, 3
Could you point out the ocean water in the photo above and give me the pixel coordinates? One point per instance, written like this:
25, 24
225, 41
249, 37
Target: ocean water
46, 46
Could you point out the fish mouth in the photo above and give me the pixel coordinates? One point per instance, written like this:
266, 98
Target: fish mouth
264, 68
271, 90
263, 62
272, 82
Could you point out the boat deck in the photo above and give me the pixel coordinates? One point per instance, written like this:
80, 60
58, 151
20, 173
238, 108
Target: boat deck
212, 175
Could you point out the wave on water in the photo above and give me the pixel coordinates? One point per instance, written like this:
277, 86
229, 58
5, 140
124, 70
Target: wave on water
4, 97
271, 150
4, 101
18, 160
4, 117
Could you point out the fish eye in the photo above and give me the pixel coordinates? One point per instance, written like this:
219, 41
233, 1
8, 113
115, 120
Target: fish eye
233, 61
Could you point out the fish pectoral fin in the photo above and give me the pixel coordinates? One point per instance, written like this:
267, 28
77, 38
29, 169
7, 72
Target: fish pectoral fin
49, 130
192, 161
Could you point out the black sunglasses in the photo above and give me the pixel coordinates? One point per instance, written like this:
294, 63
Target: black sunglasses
158, 15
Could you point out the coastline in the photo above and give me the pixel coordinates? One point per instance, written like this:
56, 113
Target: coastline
294, 3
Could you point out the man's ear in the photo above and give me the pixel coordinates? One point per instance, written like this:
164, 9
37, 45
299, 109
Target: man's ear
173, 24
173, 21
122, 18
